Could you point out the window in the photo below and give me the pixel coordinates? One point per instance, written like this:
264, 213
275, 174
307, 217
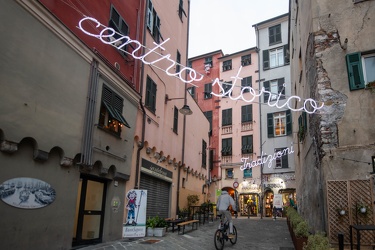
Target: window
208, 115
117, 23
275, 57
208, 60
275, 87
246, 82
150, 101
274, 34
178, 61
247, 113
191, 91
247, 144
110, 117
227, 88
226, 145
246, 60
227, 65
204, 155
229, 173
248, 173
175, 120
226, 117
207, 91
282, 162
361, 69
279, 124
302, 126
181, 9
153, 22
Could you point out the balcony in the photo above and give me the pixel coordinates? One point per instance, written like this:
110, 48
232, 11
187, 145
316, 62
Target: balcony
246, 126
226, 159
226, 130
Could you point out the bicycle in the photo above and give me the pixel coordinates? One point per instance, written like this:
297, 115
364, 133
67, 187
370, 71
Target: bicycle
221, 234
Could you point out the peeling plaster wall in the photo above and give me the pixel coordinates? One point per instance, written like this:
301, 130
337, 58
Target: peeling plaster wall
341, 139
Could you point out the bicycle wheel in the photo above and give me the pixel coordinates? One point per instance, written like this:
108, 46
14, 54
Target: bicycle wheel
234, 240
219, 240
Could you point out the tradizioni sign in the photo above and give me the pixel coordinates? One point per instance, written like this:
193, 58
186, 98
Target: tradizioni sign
109, 36
265, 158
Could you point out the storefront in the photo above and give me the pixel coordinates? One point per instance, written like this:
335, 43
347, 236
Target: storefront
157, 181
249, 198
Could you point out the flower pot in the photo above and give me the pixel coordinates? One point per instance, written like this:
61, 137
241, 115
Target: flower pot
159, 231
342, 212
299, 242
150, 232
363, 210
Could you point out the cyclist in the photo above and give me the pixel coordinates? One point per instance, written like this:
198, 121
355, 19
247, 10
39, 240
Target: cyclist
223, 203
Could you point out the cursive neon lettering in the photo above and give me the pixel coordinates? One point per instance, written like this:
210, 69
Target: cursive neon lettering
263, 160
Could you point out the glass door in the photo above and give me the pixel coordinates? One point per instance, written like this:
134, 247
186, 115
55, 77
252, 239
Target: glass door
89, 218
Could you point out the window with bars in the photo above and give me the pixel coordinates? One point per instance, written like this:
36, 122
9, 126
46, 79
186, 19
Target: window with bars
226, 117
150, 101
226, 147
110, 117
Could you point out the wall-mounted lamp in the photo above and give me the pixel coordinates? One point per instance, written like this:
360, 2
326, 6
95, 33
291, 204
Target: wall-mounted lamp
185, 110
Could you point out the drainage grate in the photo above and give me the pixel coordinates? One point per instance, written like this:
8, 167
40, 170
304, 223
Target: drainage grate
149, 241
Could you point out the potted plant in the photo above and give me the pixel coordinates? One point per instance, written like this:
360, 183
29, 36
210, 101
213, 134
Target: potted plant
160, 226
362, 208
150, 225
317, 241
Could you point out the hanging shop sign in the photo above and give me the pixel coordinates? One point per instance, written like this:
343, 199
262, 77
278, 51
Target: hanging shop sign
136, 205
109, 36
156, 171
27, 193
263, 159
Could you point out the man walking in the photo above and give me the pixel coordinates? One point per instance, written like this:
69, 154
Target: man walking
223, 203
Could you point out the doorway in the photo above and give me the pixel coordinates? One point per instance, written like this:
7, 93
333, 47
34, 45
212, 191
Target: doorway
89, 218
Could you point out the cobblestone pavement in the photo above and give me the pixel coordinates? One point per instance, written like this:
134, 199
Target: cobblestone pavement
253, 233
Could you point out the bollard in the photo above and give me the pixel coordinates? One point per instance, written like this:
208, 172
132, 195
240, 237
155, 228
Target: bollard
341, 241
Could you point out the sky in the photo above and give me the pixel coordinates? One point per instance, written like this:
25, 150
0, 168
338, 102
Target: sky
227, 24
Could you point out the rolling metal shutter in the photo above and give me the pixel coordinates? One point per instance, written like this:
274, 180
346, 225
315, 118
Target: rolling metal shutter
157, 196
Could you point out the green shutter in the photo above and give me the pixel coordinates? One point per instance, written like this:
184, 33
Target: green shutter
266, 86
266, 60
284, 161
355, 72
288, 122
286, 54
270, 125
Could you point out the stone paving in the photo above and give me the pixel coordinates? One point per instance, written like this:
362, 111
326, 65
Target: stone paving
253, 233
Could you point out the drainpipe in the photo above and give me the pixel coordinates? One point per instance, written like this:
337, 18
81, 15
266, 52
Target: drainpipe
137, 171
260, 127
184, 121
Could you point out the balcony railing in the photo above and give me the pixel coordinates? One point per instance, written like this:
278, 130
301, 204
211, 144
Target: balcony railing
226, 159
246, 126
226, 130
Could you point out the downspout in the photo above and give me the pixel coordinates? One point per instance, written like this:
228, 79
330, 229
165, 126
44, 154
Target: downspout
260, 126
136, 184
184, 122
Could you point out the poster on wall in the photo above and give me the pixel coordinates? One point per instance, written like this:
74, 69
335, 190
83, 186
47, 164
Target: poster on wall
27, 193
278, 200
136, 204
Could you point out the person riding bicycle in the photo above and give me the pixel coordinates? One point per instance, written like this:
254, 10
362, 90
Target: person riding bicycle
223, 203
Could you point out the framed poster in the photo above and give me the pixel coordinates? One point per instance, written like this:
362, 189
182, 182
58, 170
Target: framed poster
136, 204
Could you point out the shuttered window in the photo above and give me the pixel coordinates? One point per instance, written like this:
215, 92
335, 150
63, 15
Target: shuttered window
355, 71
247, 113
207, 91
175, 120
227, 117
278, 86
226, 145
247, 144
279, 124
246, 82
274, 34
150, 101
281, 162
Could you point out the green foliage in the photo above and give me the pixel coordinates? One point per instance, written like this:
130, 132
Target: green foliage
317, 241
192, 199
156, 222
299, 225
302, 229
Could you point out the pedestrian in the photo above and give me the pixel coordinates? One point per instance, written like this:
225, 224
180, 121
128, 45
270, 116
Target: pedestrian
223, 203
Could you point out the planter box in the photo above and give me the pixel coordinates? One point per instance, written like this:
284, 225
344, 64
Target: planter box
150, 232
299, 241
159, 231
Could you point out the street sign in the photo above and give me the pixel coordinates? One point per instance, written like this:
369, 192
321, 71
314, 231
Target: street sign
235, 184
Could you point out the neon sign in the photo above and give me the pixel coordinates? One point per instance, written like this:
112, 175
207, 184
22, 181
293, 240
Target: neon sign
307, 104
107, 36
262, 160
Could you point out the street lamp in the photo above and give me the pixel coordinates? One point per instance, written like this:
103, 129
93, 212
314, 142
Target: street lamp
185, 110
